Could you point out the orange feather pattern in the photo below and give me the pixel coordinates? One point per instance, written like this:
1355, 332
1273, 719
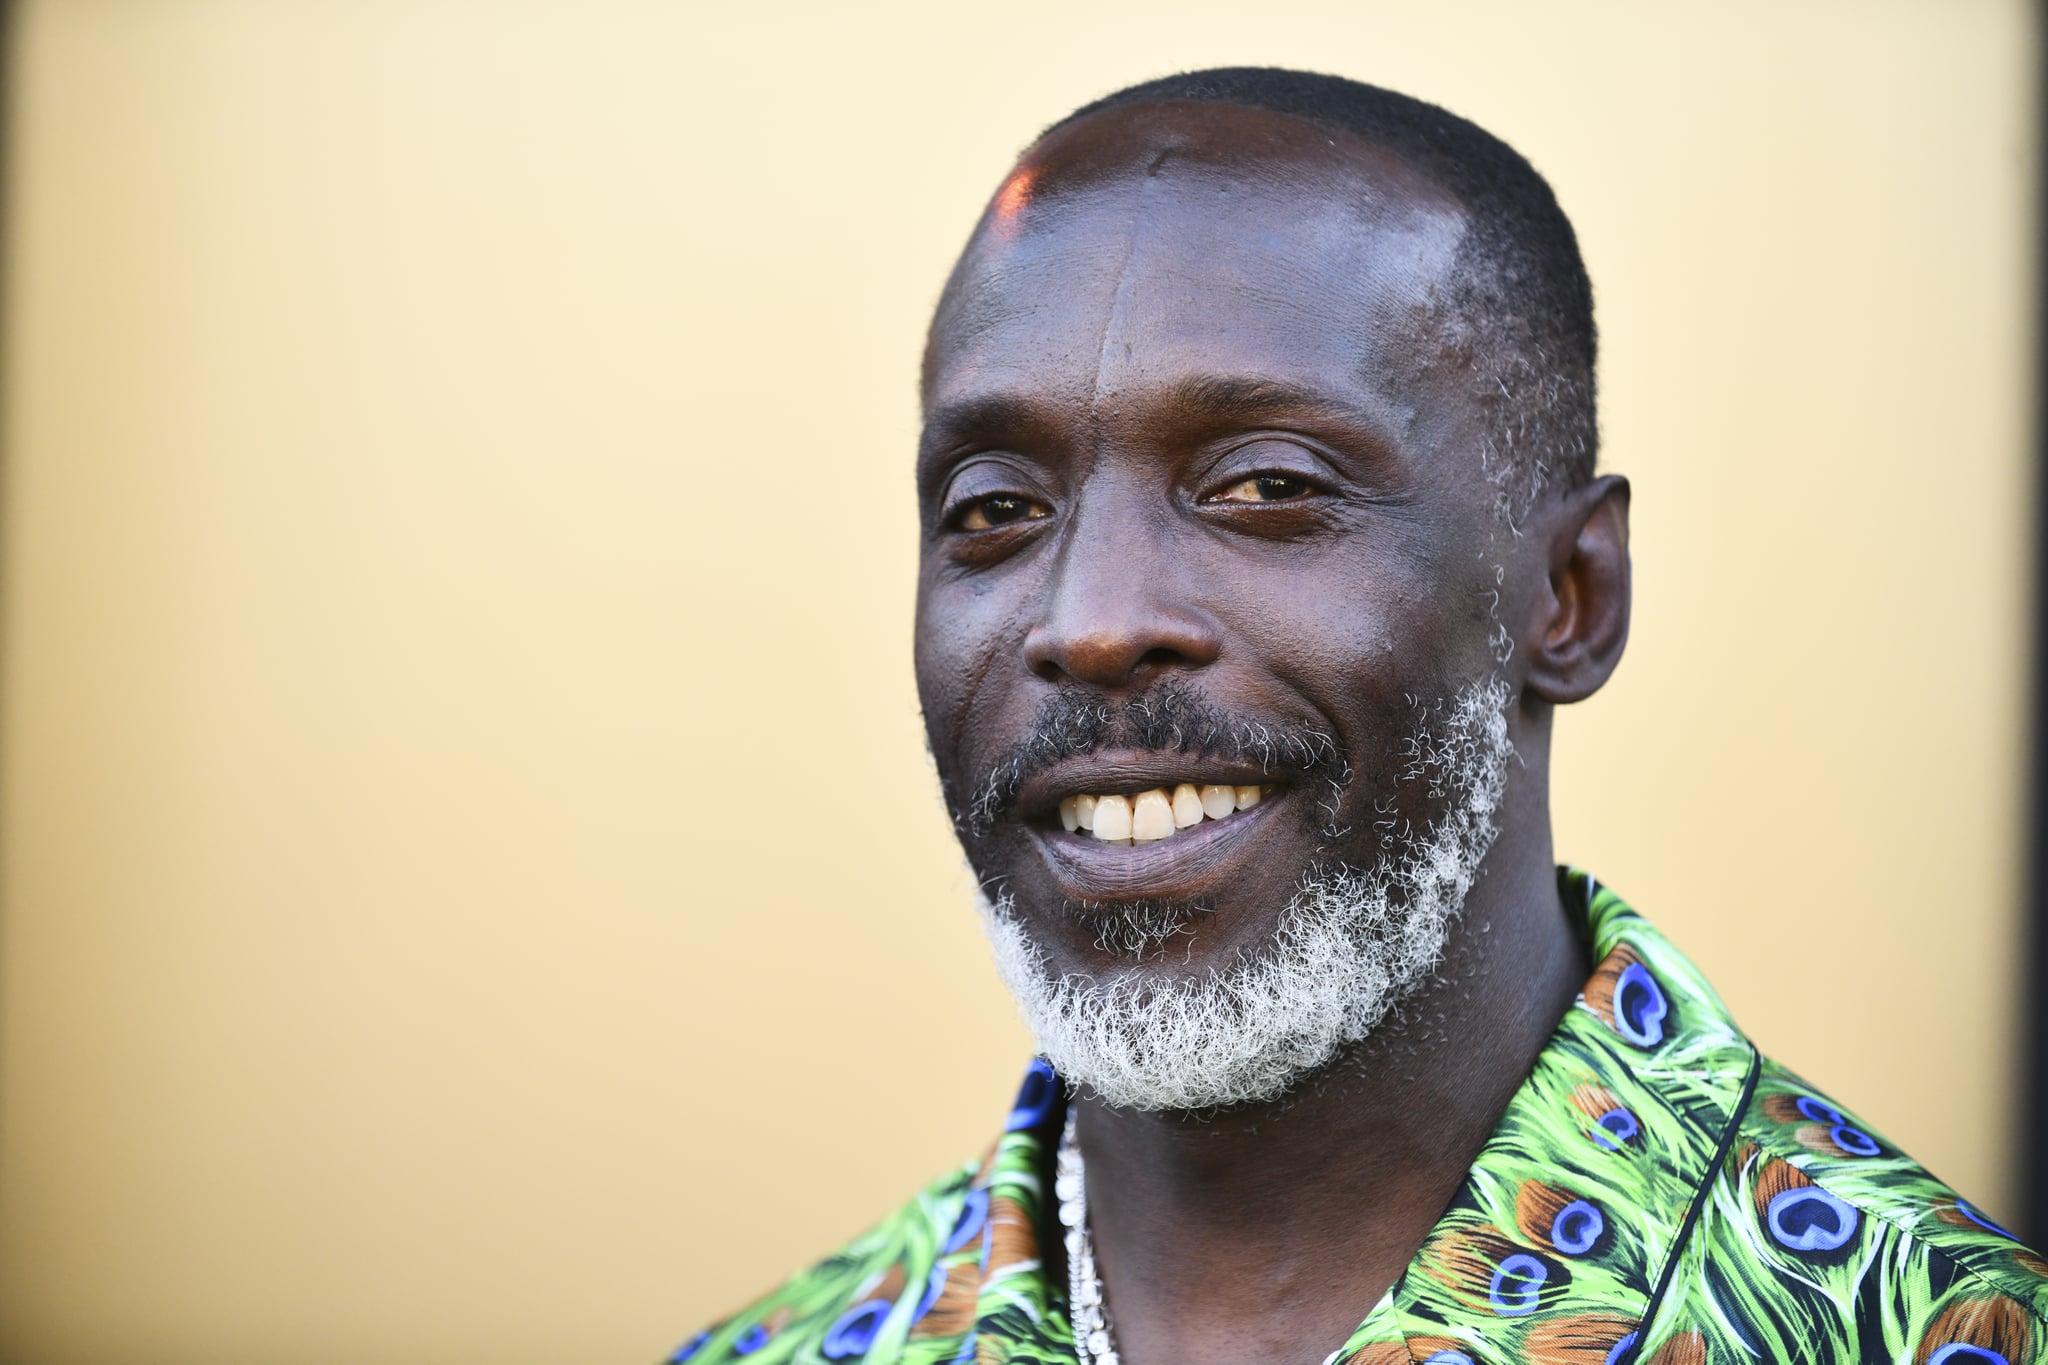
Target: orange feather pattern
1574, 1341
953, 1311
1381, 1353
1011, 1239
1465, 1262
1600, 987
1687, 1348
1773, 1178
1536, 1208
1996, 1324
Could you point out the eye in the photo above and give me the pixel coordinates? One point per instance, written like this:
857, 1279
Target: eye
994, 510
1265, 488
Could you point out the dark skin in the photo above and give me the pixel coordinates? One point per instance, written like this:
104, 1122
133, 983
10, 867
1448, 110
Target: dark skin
1193, 412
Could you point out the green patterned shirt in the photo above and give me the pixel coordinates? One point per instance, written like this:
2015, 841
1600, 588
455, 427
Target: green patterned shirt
1657, 1192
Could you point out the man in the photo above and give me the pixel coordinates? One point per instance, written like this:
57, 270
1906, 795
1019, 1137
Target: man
1262, 537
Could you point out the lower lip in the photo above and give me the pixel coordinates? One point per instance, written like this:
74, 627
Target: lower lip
1184, 864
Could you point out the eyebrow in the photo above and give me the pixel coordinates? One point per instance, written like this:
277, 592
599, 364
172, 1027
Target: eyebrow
1230, 399
980, 415
1002, 417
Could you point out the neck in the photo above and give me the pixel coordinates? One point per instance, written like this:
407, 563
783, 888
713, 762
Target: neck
1267, 1233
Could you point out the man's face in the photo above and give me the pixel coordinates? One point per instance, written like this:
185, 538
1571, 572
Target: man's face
1203, 506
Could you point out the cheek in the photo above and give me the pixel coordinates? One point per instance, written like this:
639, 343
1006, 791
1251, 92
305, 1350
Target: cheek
1336, 622
1369, 641
964, 630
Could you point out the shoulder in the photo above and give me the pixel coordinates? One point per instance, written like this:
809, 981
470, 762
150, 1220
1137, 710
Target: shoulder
1820, 1240
1828, 1148
873, 1289
960, 1259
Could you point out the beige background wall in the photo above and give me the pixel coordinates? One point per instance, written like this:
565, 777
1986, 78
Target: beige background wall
472, 883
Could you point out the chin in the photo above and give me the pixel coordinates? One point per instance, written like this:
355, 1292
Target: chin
1178, 1003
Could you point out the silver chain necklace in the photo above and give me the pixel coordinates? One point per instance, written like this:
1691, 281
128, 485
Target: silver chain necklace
1092, 1341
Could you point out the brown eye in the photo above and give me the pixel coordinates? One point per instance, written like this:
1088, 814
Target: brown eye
1264, 488
998, 509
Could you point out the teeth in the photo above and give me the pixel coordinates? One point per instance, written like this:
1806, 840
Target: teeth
1157, 814
1112, 818
1151, 817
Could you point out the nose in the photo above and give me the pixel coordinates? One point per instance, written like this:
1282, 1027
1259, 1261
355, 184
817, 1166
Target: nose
1113, 617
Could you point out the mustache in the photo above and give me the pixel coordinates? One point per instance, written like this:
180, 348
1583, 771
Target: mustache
1171, 716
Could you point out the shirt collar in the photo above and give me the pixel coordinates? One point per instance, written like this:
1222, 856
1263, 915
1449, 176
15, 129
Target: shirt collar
1568, 1223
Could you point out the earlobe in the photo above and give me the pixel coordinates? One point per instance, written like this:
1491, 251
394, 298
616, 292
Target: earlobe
1580, 623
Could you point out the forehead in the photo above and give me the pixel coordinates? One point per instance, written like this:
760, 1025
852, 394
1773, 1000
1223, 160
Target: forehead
1161, 246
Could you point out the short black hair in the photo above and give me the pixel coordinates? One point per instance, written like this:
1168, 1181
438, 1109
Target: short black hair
1520, 288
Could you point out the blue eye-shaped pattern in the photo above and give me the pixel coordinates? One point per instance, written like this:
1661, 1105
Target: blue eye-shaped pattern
1808, 1218
1964, 1354
750, 1341
1449, 1358
1518, 1285
1978, 1216
1035, 1098
689, 1348
855, 1331
1615, 1127
1640, 1007
934, 1287
1619, 1349
1854, 1141
1577, 1226
967, 1226
1820, 1112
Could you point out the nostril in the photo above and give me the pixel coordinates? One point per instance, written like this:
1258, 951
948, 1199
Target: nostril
1114, 649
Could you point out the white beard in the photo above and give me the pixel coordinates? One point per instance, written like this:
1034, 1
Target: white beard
1350, 945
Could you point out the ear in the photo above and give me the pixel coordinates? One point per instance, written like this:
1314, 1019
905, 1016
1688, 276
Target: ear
1579, 618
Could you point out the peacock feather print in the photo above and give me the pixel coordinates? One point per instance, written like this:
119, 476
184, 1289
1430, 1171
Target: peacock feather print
1656, 1193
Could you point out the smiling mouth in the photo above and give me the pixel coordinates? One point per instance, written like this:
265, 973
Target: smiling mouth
1122, 824
1176, 861
1156, 814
